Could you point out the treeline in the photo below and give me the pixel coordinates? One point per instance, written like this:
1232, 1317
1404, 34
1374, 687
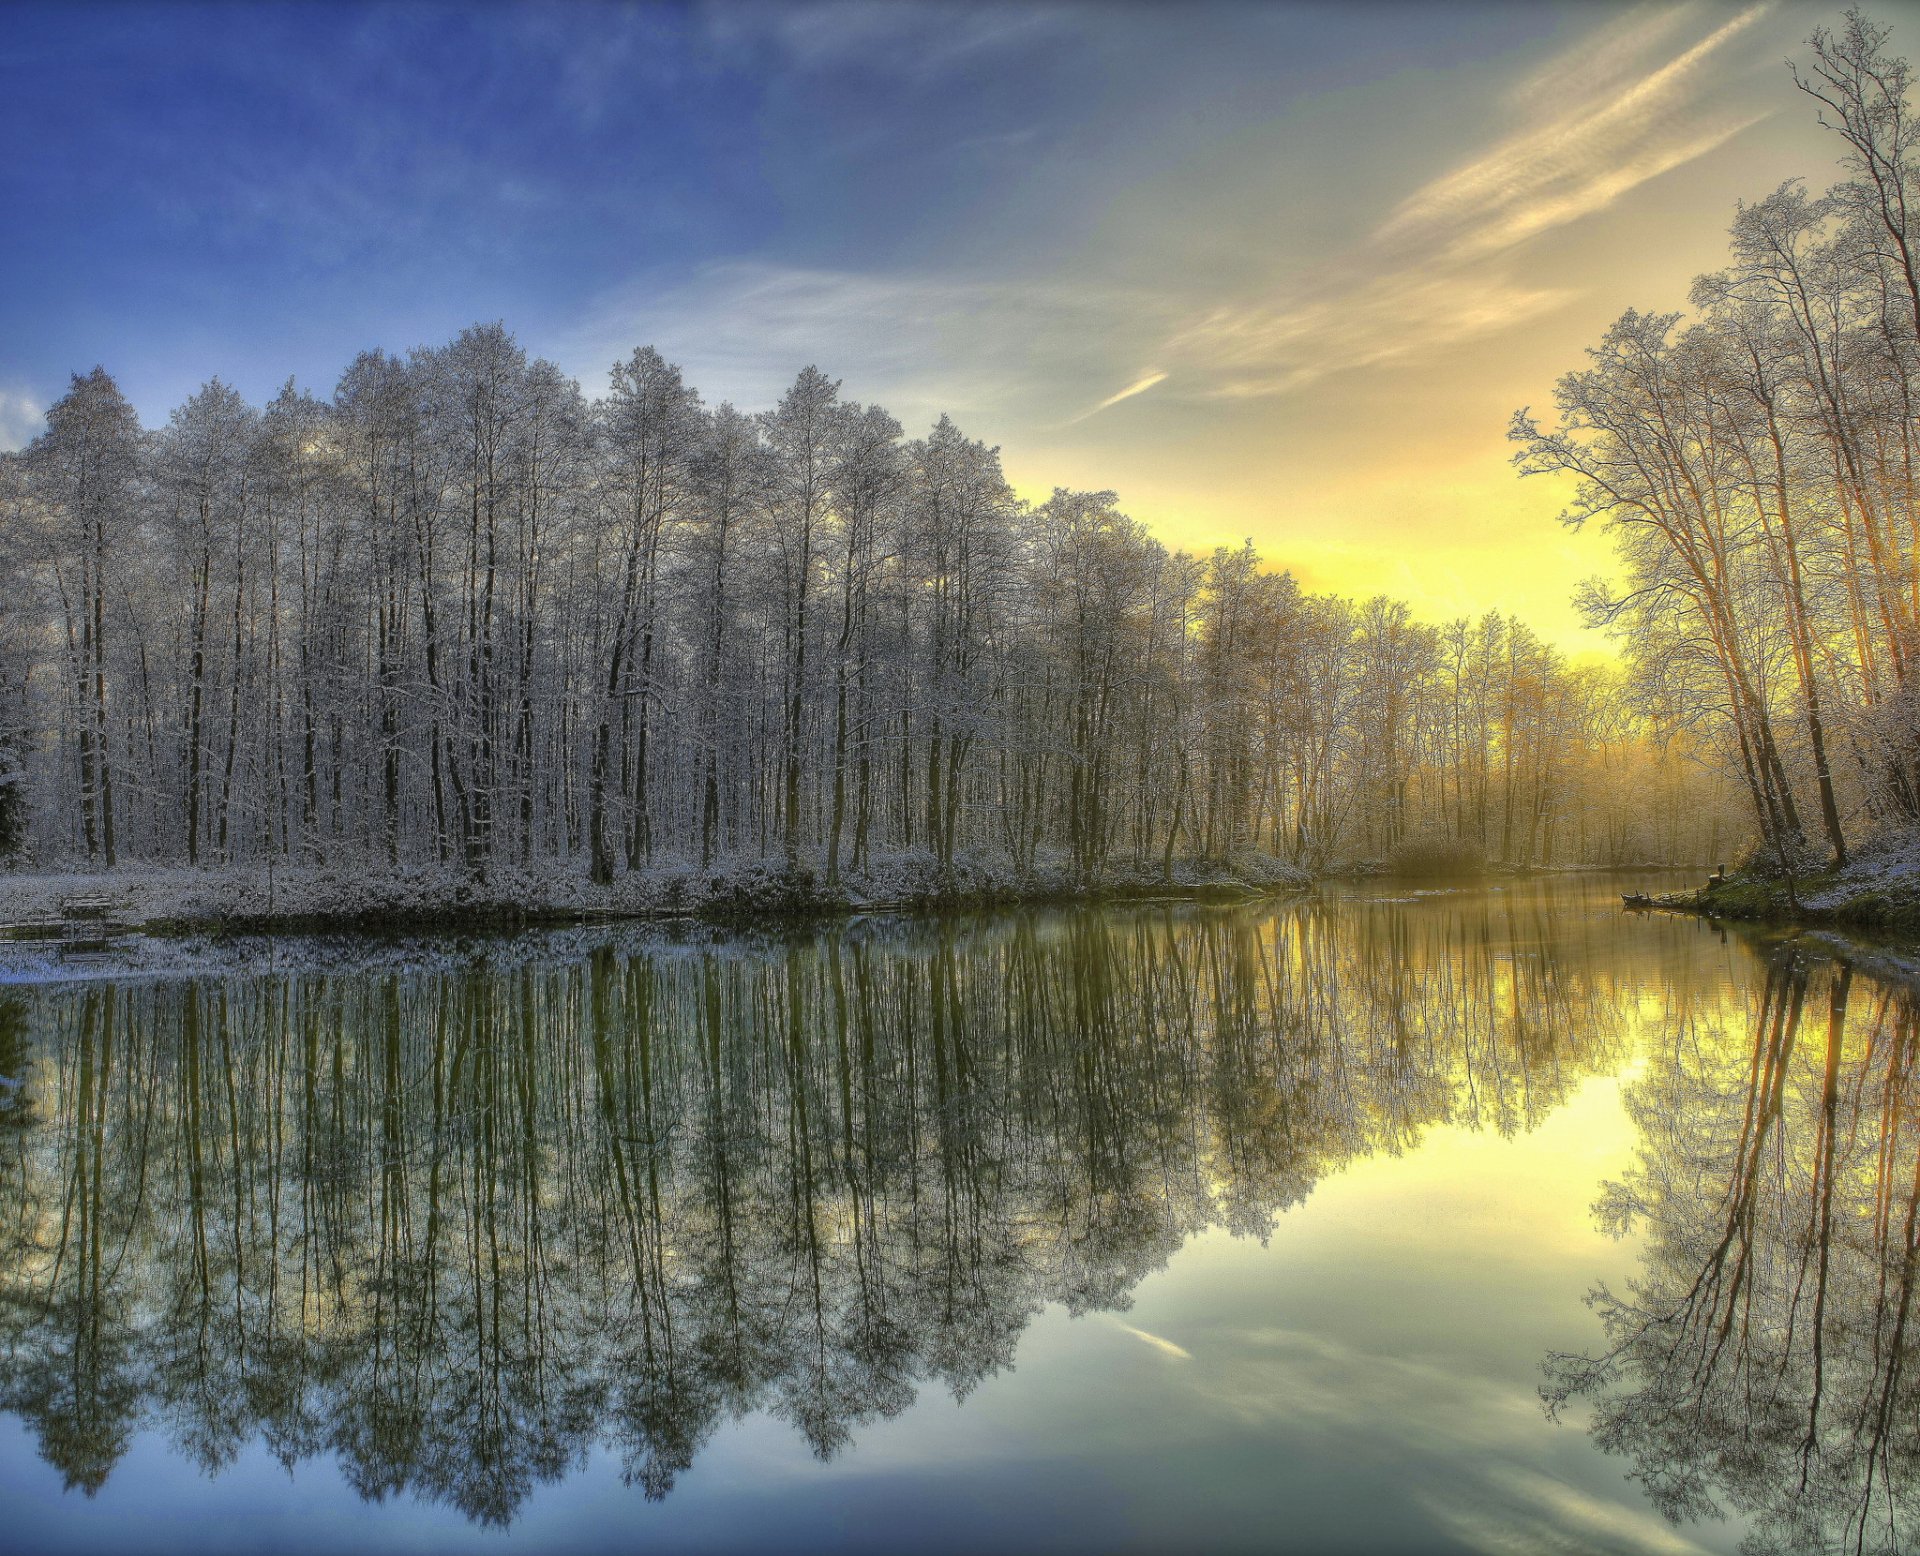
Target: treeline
1756, 468
460, 614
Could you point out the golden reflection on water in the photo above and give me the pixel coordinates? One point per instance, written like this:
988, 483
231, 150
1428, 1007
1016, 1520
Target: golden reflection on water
455, 1220
1762, 1356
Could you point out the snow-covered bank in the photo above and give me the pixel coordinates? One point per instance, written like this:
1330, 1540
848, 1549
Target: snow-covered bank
141, 910
1877, 889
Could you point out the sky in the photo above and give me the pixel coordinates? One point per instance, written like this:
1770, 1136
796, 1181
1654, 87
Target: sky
1269, 271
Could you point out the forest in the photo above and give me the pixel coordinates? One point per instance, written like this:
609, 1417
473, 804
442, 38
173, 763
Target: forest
458, 614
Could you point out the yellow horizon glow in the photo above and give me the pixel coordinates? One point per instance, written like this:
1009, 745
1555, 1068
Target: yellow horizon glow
1311, 330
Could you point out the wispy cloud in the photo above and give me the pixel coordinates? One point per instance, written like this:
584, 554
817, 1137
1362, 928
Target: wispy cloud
1139, 386
1618, 49
1610, 125
1467, 1445
1159, 1343
917, 40
1595, 123
1520, 1509
21, 419
1248, 351
1640, 95
926, 343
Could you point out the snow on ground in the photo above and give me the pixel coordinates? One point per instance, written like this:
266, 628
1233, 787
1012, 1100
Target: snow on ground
145, 895
375, 916
198, 954
1888, 865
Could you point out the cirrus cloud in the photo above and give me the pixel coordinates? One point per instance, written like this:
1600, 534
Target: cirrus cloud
1595, 123
21, 419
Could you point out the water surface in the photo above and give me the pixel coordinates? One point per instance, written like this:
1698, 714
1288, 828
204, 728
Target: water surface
1488, 1219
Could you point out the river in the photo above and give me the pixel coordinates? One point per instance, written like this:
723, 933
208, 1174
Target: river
1487, 1218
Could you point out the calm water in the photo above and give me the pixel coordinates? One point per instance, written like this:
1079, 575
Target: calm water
1165, 1227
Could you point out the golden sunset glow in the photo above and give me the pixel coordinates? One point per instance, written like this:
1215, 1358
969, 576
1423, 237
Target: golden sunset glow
1346, 409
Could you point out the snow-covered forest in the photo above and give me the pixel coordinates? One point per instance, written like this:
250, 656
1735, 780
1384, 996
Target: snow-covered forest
1756, 467
460, 613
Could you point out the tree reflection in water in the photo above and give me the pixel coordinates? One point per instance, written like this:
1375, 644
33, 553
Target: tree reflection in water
1763, 1358
458, 1225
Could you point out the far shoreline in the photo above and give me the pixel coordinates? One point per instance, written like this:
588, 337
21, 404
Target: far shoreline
249, 899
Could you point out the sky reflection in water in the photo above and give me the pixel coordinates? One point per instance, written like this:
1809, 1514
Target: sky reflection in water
1160, 1227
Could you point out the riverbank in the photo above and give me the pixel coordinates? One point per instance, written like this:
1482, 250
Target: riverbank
1878, 890
381, 899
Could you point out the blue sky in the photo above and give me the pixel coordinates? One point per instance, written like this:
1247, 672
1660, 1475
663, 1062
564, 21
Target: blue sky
259, 189
1269, 270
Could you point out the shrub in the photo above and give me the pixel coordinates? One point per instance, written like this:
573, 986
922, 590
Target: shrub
1767, 862
1432, 857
